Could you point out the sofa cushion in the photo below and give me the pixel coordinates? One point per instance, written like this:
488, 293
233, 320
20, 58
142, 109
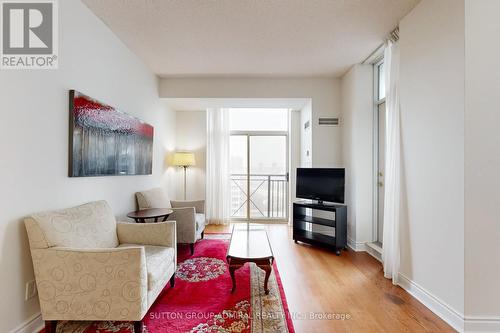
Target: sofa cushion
200, 221
91, 225
158, 259
154, 198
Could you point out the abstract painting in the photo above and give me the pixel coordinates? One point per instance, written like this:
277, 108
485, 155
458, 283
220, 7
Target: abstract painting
106, 142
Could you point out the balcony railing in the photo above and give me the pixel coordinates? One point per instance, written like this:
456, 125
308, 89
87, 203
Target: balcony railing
268, 196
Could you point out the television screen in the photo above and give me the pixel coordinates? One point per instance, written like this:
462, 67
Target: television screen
321, 184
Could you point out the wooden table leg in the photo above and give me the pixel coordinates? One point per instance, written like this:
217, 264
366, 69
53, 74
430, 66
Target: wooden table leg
266, 268
231, 272
232, 269
264, 264
233, 266
138, 326
50, 326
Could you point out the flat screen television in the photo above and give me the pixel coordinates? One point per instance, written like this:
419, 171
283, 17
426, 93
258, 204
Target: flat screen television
322, 184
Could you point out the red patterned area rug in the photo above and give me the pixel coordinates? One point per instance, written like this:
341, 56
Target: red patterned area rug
201, 300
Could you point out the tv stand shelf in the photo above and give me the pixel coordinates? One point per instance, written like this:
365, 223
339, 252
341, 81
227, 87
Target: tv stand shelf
315, 220
304, 232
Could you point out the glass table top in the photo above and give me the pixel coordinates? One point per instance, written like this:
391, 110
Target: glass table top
249, 242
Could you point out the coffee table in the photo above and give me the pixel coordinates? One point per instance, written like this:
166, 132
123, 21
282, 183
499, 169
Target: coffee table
140, 216
249, 244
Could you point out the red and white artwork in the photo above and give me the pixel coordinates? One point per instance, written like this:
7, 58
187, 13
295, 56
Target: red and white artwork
105, 141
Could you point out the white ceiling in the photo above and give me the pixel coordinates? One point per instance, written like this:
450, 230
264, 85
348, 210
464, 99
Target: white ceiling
251, 37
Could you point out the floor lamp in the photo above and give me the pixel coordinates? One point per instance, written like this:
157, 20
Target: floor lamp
184, 159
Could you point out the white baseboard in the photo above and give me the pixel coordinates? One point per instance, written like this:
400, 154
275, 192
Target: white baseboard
356, 246
472, 324
440, 308
33, 325
364, 247
375, 251
477, 324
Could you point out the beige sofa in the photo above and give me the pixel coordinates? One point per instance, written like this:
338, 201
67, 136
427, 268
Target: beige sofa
189, 215
89, 267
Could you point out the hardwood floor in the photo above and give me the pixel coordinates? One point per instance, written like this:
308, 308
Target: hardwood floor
316, 281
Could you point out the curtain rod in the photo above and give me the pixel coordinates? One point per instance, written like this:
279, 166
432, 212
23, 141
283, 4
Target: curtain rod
372, 54
393, 36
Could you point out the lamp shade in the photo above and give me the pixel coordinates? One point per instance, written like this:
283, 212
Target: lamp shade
184, 159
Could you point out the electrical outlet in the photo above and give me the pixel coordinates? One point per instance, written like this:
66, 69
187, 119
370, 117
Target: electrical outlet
30, 290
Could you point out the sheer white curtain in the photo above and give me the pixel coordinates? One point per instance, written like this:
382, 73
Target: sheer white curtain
392, 205
218, 198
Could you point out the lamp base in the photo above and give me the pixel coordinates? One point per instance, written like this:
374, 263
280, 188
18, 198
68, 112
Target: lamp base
185, 188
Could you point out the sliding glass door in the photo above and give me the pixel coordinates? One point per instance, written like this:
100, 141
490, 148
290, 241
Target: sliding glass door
268, 177
259, 164
259, 176
239, 176
380, 172
380, 149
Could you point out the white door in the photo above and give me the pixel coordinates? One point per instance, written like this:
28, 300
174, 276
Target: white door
259, 176
268, 177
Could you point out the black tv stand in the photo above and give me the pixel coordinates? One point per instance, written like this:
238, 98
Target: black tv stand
301, 221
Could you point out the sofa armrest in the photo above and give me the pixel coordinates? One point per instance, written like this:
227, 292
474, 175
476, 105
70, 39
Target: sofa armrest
158, 233
186, 224
91, 284
199, 205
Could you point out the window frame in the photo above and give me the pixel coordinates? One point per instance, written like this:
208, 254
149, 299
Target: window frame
254, 133
376, 104
376, 81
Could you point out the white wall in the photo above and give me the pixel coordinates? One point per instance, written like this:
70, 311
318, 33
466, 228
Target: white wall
306, 148
357, 139
34, 141
294, 144
191, 135
482, 165
432, 125
324, 92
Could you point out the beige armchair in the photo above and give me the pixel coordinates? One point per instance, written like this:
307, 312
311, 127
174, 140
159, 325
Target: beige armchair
89, 267
189, 215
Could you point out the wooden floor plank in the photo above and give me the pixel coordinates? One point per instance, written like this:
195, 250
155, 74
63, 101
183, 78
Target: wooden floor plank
317, 282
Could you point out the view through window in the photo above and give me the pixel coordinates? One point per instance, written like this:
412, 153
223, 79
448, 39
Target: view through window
258, 159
